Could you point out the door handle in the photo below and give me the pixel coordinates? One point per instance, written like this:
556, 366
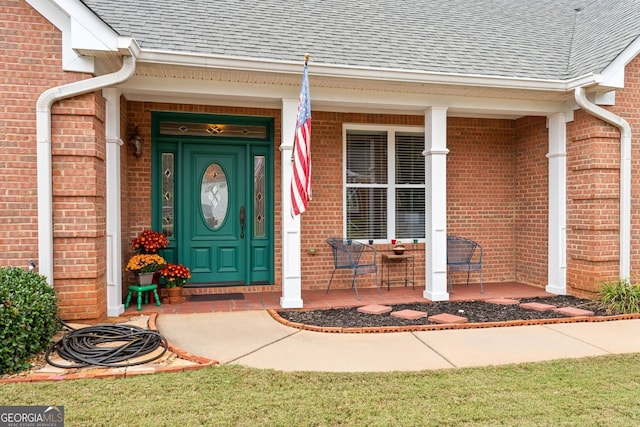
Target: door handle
242, 219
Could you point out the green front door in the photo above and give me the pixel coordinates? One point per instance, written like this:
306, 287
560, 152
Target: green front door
214, 241
213, 195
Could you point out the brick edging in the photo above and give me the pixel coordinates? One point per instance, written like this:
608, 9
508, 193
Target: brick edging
418, 328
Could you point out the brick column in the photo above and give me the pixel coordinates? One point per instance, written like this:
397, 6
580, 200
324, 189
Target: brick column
79, 208
593, 193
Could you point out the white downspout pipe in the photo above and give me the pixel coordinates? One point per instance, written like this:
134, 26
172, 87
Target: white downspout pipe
625, 175
43, 153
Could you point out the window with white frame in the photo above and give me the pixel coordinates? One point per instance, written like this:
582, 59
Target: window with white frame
384, 183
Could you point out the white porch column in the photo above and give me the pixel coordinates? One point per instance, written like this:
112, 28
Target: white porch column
114, 244
435, 138
291, 256
557, 251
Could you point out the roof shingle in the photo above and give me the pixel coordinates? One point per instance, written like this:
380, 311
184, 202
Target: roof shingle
538, 39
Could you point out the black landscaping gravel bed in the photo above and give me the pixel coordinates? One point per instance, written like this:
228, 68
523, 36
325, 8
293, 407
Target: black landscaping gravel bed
475, 311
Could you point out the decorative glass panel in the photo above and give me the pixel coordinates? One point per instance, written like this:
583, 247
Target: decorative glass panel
259, 188
168, 213
219, 130
410, 213
214, 196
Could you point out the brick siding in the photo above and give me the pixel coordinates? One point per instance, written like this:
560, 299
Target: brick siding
31, 53
531, 200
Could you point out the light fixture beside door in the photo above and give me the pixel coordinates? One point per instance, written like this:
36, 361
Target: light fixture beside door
137, 142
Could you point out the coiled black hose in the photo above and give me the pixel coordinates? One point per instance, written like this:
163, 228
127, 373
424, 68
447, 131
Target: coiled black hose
107, 345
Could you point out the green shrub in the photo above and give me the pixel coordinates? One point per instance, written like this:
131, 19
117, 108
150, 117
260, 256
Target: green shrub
620, 296
28, 309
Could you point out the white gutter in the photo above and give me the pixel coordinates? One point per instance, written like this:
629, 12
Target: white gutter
44, 161
625, 175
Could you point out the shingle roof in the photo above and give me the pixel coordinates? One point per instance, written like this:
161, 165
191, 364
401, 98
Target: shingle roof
540, 39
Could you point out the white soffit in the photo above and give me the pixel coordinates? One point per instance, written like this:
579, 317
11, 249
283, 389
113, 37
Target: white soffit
159, 83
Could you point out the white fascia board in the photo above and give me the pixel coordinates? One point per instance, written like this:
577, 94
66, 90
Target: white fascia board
369, 73
128, 46
81, 30
88, 32
590, 79
71, 60
613, 74
214, 92
206, 87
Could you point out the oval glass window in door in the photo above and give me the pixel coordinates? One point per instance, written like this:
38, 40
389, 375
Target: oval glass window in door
214, 196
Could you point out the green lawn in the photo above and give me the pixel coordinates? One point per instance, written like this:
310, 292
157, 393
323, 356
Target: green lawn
603, 391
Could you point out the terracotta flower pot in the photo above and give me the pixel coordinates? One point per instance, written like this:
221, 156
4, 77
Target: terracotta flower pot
174, 292
174, 296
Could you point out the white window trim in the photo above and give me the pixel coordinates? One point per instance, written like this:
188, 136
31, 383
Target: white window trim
391, 169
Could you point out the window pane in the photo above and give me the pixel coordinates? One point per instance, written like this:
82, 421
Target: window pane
409, 158
410, 211
366, 157
367, 213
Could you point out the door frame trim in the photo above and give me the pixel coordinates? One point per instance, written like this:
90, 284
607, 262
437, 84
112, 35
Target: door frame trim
256, 146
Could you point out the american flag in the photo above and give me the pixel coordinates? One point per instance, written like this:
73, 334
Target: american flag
301, 180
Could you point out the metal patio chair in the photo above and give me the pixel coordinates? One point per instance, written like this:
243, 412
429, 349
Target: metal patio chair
463, 255
356, 256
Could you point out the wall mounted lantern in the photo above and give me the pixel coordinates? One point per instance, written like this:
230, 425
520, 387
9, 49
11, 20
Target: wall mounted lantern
137, 142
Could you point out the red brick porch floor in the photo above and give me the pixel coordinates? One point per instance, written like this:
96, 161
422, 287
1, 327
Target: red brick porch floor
318, 299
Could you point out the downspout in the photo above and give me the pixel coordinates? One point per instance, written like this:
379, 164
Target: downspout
43, 154
625, 175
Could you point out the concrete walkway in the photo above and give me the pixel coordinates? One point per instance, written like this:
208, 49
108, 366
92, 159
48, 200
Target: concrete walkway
255, 339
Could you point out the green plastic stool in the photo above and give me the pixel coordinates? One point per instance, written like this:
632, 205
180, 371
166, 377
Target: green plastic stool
142, 289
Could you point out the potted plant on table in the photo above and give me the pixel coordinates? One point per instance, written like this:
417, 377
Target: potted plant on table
149, 242
144, 267
174, 277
